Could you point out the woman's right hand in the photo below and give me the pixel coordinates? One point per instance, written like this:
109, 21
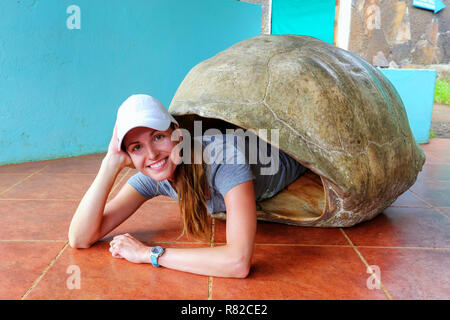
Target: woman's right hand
116, 158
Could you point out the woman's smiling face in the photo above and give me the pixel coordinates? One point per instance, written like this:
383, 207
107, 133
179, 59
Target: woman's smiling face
150, 150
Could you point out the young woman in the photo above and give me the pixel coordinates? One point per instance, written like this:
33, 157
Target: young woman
147, 137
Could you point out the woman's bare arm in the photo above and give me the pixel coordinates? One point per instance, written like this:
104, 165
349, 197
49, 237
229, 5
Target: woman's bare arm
87, 220
93, 217
230, 260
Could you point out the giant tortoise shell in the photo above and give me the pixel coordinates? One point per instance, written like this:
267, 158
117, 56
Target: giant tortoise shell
337, 115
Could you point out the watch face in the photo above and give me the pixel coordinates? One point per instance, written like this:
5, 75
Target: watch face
156, 250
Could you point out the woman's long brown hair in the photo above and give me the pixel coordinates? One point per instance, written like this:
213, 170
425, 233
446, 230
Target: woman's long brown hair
193, 191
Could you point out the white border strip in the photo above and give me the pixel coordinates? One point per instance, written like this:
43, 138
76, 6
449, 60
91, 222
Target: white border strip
344, 20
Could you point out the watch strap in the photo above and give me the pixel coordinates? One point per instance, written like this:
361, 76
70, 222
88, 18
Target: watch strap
154, 259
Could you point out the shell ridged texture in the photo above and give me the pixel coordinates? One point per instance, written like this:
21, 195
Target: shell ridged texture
336, 114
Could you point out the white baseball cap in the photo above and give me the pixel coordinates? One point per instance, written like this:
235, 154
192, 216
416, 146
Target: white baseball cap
141, 110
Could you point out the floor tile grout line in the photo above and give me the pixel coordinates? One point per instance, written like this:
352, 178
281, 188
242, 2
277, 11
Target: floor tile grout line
344, 246
210, 286
437, 161
58, 173
303, 245
38, 170
428, 180
35, 283
284, 245
257, 244
211, 244
118, 182
407, 248
22, 180
419, 198
438, 158
415, 207
432, 206
121, 177
61, 173
445, 163
442, 212
31, 240
23, 199
386, 292
15, 173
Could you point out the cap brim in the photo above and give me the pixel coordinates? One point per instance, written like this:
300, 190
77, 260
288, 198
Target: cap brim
157, 124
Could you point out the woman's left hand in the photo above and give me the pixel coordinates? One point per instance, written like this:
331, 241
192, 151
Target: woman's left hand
127, 247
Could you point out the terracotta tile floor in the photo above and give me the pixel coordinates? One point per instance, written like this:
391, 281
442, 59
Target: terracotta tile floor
408, 245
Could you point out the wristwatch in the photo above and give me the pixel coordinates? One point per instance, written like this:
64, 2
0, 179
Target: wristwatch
155, 253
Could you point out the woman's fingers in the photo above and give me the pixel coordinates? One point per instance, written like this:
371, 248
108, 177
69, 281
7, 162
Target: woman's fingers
117, 255
127, 247
117, 155
114, 252
115, 243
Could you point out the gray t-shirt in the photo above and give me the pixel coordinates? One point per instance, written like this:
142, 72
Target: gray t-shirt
228, 165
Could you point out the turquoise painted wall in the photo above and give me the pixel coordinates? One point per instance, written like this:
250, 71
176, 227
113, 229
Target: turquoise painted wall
60, 88
416, 89
304, 17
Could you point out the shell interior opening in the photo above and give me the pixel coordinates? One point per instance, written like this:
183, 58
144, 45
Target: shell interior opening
300, 203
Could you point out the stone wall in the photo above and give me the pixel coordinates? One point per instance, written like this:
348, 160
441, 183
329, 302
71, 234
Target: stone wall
396, 34
391, 33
